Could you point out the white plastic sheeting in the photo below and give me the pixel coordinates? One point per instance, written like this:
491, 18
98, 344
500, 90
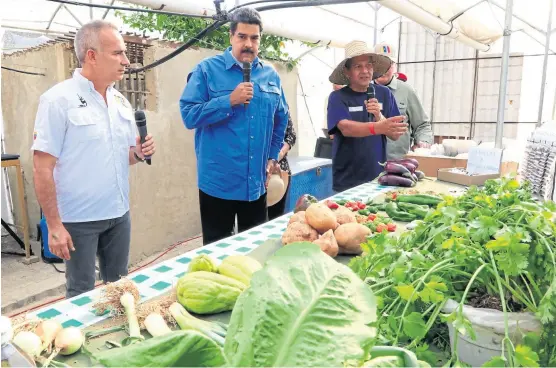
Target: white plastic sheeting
337, 24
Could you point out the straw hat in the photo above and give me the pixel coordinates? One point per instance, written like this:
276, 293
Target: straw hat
357, 48
385, 49
277, 186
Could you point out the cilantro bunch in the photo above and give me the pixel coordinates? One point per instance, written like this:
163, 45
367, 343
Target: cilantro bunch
492, 243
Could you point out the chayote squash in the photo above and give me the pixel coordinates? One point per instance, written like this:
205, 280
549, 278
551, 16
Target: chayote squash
205, 292
239, 267
203, 263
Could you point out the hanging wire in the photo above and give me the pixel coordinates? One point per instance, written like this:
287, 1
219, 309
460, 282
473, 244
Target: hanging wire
221, 18
22, 71
224, 18
307, 105
113, 7
180, 49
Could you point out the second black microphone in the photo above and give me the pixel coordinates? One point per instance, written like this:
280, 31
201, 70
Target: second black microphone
246, 73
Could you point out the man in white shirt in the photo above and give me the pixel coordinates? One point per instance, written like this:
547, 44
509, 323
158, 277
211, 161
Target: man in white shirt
84, 142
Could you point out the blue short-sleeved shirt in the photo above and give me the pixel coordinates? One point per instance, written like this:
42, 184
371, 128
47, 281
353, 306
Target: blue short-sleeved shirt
356, 160
234, 143
91, 140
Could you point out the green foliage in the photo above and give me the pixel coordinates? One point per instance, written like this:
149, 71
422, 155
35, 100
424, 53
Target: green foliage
182, 29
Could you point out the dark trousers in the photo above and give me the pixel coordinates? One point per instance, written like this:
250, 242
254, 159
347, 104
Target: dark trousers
218, 216
107, 239
278, 209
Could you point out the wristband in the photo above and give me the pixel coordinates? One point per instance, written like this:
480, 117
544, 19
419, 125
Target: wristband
372, 129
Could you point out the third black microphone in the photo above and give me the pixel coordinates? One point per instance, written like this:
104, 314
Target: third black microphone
370, 95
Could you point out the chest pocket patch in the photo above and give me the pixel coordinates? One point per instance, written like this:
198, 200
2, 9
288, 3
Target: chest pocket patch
269, 94
220, 88
83, 125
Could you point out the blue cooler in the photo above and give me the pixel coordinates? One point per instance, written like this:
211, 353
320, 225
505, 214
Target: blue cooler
42, 236
310, 175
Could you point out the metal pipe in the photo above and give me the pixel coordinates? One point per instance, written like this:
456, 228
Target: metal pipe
527, 33
112, 7
421, 16
474, 103
493, 2
387, 24
108, 10
504, 74
375, 33
91, 10
312, 34
436, 39
73, 15
545, 63
460, 13
53, 15
346, 17
399, 40
469, 59
38, 30
307, 52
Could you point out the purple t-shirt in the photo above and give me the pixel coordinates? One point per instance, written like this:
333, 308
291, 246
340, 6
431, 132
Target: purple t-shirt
356, 160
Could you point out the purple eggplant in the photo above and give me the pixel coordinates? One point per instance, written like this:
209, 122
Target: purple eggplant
394, 168
404, 161
395, 180
408, 165
420, 175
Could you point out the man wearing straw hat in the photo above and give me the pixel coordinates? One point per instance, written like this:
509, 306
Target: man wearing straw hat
360, 126
420, 133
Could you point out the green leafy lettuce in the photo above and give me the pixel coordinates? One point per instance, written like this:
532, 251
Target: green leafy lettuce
303, 309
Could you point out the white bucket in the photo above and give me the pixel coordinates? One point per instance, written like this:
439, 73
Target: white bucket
489, 328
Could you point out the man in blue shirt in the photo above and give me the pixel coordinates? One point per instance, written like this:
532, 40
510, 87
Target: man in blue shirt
359, 141
239, 127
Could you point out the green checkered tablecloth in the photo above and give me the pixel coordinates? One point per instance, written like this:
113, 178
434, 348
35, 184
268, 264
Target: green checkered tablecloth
158, 279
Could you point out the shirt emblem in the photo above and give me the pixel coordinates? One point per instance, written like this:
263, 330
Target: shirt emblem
121, 101
82, 101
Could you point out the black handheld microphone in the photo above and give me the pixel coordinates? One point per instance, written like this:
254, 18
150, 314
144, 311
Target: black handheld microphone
246, 73
370, 95
141, 121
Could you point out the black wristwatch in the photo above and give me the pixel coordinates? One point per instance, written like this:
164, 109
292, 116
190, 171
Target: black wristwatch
139, 159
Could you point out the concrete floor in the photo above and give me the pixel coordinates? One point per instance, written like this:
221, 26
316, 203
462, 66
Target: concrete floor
27, 286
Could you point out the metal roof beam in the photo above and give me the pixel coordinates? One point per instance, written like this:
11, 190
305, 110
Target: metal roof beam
73, 15
54, 15
345, 17
495, 3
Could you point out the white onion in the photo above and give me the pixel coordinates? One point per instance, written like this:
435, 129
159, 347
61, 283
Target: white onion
29, 343
69, 340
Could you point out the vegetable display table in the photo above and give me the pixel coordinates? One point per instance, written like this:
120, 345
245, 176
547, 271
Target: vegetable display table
260, 243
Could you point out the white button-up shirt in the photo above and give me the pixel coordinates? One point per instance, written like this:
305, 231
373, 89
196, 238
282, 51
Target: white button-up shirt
91, 140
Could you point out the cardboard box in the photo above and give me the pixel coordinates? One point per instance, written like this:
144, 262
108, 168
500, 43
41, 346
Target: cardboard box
431, 164
509, 167
463, 179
